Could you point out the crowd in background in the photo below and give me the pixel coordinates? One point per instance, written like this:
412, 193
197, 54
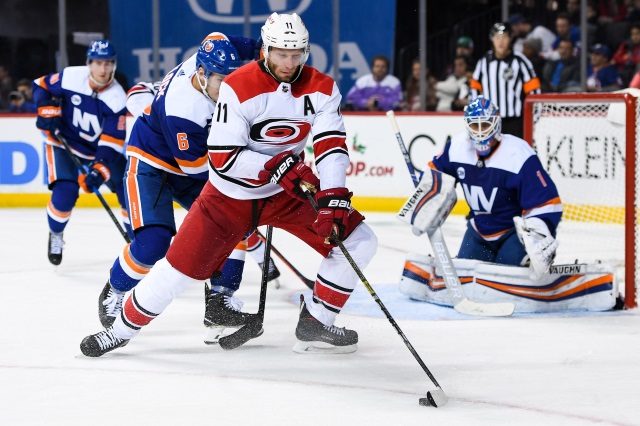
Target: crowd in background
554, 54
548, 37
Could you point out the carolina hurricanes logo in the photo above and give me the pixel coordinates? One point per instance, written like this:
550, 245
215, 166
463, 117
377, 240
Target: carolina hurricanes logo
280, 131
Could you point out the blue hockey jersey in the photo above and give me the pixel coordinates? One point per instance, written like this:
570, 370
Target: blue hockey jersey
93, 122
511, 182
171, 134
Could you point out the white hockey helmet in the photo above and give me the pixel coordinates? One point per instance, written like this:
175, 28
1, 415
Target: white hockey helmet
285, 32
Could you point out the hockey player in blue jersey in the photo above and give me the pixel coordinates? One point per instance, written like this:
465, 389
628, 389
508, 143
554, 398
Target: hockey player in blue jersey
167, 162
87, 106
515, 206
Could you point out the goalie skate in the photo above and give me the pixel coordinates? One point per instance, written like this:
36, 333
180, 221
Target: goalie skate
315, 337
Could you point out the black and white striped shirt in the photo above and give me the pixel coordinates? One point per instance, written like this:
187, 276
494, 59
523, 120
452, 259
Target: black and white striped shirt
505, 82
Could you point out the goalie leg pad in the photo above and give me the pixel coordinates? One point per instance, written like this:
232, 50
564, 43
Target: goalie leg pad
537, 240
431, 203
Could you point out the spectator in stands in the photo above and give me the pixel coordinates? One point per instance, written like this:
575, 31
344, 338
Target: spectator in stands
602, 77
573, 11
531, 49
453, 92
564, 31
464, 47
6, 86
562, 74
412, 90
627, 57
524, 29
377, 91
635, 81
633, 12
21, 100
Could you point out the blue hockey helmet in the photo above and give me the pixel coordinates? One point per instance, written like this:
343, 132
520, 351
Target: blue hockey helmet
484, 124
101, 49
217, 55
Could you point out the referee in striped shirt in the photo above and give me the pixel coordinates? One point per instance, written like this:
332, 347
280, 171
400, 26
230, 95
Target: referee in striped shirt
505, 77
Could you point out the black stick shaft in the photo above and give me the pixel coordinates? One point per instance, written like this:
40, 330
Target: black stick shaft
95, 190
265, 273
372, 292
253, 327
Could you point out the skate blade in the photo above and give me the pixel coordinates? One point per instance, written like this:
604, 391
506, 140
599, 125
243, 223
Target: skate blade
213, 334
322, 348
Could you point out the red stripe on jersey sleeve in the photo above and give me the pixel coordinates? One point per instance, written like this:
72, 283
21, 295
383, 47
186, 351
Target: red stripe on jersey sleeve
320, 147
220, 158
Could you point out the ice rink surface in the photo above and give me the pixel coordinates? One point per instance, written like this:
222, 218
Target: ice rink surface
553, 369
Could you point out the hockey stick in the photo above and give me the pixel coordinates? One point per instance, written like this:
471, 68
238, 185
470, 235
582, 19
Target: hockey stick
443, 259
309, 283
253, 326
95, 190
437, 397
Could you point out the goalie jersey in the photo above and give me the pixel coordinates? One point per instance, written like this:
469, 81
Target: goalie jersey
510, 182
258, 117
171, 134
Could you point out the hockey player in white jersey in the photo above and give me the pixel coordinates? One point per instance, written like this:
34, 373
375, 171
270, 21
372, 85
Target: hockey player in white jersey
265, 113
159, 172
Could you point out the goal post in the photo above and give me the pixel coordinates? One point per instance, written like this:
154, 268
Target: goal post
588, 143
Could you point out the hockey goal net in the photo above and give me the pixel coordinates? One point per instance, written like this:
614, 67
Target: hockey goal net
589, 145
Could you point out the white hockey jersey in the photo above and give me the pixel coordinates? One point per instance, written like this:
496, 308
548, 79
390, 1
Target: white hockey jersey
258, 117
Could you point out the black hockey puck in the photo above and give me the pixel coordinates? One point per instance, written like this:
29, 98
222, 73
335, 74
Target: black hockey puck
424, 402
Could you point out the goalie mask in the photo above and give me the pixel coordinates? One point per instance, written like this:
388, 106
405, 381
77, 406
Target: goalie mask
484, 124
285, 32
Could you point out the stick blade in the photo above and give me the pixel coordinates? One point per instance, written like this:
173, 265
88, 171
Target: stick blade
251, 330
469, 307
435, 398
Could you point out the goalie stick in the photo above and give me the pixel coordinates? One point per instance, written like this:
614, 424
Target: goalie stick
95, 190
253, 326
460, 302
436, 397
309, 283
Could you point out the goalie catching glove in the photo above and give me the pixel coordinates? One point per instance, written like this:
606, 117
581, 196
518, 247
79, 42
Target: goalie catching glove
535, 236
286, 170
432, 202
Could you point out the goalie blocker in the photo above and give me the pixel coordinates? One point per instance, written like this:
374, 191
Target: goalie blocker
590, 287
431, 203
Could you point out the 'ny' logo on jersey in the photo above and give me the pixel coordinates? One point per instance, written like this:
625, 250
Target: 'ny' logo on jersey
87, 122
477, 199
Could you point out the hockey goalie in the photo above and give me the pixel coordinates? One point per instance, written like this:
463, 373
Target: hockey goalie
508, 248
